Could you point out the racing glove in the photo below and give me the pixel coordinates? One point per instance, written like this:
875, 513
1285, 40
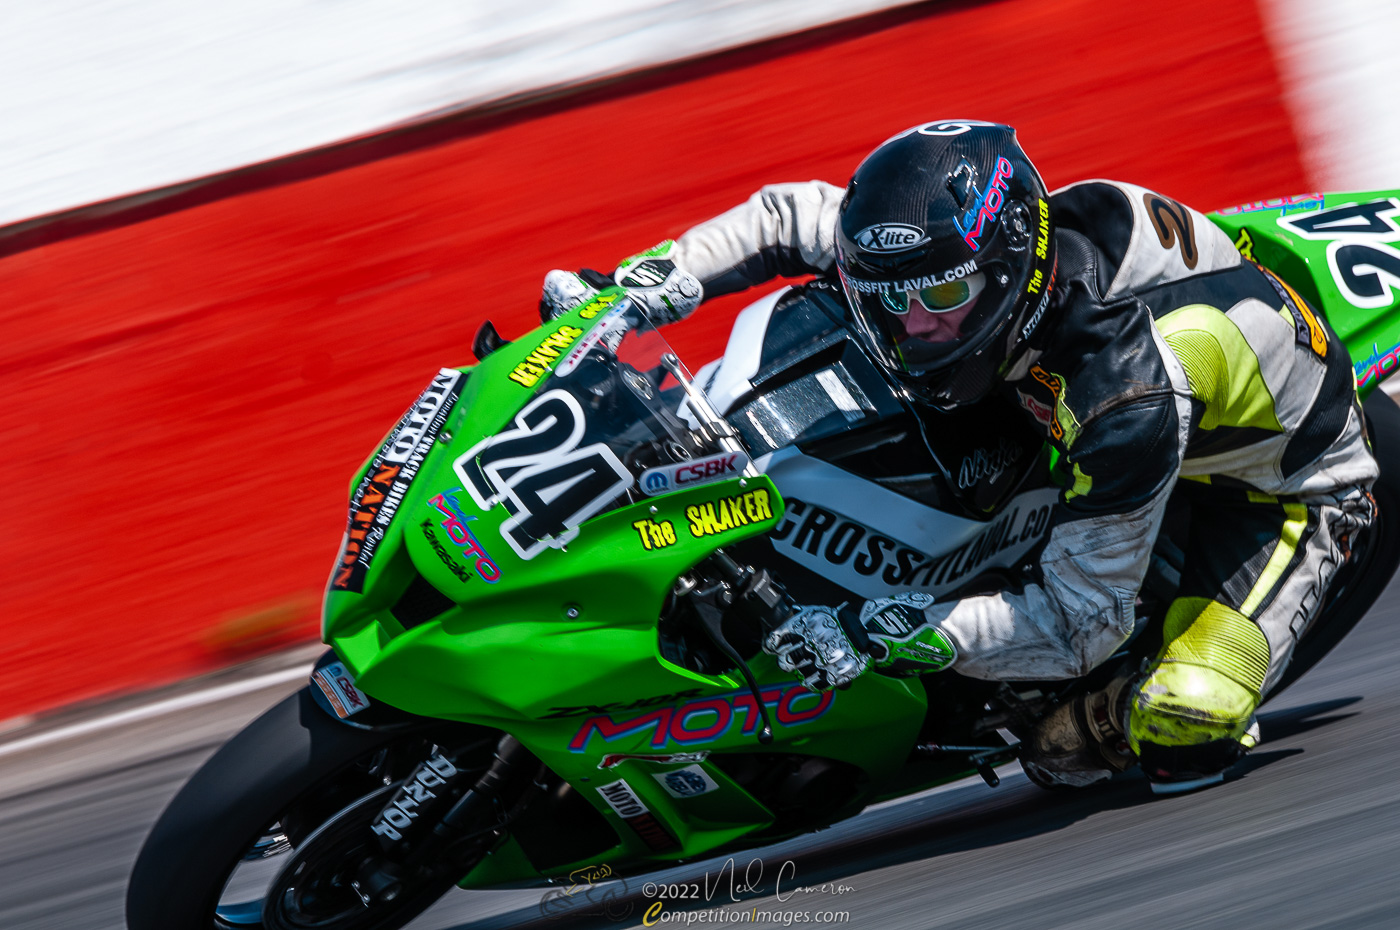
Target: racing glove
668, 292
828, 648
565, 290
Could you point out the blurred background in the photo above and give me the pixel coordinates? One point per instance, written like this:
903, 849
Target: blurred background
236, 239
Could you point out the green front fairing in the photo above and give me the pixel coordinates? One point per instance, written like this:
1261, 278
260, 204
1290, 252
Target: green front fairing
1371, 334
511, 650
575, 628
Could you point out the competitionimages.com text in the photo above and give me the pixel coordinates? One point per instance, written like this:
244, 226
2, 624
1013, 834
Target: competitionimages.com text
657, 914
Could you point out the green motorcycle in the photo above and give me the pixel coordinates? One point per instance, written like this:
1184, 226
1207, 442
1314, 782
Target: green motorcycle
558, 566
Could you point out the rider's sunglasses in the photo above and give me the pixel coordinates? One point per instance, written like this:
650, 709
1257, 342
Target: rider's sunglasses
940, 298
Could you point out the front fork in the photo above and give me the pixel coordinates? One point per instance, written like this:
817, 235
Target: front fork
447, 809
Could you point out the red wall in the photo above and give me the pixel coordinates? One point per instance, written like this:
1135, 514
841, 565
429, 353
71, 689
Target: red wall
188, 396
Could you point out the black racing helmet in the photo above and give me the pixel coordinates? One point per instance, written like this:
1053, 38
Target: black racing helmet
946, 251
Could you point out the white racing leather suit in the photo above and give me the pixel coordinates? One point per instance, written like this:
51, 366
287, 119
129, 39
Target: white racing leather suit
1165, 357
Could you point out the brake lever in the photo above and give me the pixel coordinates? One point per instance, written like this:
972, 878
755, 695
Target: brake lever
710, 603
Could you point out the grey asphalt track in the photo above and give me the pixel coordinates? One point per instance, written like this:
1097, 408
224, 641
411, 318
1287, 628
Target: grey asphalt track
1305, 835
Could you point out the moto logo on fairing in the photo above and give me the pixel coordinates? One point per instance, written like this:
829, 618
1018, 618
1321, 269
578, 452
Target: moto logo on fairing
706, 720
890, 237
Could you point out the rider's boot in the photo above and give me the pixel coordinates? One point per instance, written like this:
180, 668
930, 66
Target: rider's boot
1082, 742
1192, 717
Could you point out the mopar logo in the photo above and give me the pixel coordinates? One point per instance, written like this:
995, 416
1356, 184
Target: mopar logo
655, 481
890, 237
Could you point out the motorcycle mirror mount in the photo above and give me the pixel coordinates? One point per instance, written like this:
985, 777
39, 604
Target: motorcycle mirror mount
713, 426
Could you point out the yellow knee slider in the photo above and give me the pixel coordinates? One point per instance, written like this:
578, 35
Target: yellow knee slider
1207, 680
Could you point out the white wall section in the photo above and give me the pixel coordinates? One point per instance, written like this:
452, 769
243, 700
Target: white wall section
100, 98
1340, 61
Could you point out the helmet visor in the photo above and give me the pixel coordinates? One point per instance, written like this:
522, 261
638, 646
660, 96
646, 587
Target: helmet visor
919, 330
951, 297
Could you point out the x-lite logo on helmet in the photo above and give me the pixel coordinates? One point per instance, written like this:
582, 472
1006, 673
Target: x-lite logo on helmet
890, 237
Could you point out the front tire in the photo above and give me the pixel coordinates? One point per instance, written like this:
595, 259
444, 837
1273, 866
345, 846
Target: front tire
278, 785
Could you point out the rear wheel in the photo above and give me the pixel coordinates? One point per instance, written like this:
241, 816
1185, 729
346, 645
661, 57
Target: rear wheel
270, 834
1375, 553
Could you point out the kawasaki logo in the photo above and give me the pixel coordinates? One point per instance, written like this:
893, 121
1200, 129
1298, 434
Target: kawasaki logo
890, 237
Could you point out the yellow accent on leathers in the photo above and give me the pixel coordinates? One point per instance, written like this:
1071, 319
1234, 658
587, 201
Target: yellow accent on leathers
1082, 484
1294, 524
1221, 366
1206, 681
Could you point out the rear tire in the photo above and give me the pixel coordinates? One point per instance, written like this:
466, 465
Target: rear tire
1361, 581
294, 767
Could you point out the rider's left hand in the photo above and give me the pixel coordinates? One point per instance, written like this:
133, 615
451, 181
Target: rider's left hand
813, 644
830, 650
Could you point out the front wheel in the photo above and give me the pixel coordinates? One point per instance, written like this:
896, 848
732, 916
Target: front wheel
269, 833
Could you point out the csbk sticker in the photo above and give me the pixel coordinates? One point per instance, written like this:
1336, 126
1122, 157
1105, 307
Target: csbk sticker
339, 688
380, 492
666, 478
625, 804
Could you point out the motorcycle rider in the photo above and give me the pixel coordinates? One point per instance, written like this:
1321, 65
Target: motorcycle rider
1153, 357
